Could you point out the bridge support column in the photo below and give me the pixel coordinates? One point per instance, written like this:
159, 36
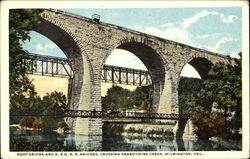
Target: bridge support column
184, 128
179, 128
89, 99
189, 130
85, 143
90, 126
168, 95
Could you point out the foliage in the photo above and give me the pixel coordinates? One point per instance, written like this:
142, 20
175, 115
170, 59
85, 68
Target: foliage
53, 103
142, 97
208, 124
214, 105
188, 89
120, 99
112, 101
24, 145
23, 97
63, 125
224, 88
26, 122
50, 124
37, 124
21, 21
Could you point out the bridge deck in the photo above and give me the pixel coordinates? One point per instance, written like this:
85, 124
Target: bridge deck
100, 114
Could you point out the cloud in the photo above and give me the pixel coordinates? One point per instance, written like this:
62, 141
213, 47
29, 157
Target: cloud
136, 27
229, 19
205, 36
50, 46
235, 55
172, 33
39, 47
220, 42
41, 53
168, 25
43, 47
187, 22
179, 31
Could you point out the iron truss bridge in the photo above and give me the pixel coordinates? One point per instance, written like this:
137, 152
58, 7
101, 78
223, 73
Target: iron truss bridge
128, 76
100, 114
49, 66
59, 67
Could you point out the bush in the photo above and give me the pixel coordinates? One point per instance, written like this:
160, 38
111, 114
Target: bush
37, 124
50, 124
27, 122
213, 125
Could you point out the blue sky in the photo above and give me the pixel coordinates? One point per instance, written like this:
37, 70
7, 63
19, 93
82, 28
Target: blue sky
217, 29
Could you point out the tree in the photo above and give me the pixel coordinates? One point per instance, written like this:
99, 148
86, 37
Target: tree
54, 102
23, 96
188, 89
37, 124
118, 99
142, 97
113, 99
224, 89
27, 122
21, 21
216, 107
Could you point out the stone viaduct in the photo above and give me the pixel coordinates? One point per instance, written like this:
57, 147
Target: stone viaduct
88, 42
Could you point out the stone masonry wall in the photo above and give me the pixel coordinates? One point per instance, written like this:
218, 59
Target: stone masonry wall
96, 41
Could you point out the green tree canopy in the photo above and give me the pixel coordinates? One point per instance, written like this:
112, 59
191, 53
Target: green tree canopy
120, 99
21, 21
215, 106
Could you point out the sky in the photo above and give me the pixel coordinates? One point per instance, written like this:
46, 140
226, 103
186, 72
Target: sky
217, 29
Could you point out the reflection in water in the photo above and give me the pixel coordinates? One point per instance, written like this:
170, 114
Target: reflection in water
179, 144
120, 143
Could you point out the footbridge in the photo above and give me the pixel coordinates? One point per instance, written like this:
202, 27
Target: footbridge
100, 114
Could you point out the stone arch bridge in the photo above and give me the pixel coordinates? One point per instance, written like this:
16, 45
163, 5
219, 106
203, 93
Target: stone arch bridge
88, 42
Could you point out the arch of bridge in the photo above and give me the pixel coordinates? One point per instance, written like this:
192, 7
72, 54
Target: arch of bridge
202, 63
62, 37
149, 54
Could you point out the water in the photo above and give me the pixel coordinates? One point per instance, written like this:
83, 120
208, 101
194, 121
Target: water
123, 143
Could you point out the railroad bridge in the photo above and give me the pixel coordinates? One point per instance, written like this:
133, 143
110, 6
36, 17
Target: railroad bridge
88, 42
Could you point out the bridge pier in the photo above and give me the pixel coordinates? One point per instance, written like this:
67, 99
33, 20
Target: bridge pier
85, 143
179, 128
88, 126
184, 129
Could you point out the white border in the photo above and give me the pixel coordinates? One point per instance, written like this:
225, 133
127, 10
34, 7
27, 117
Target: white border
6, 5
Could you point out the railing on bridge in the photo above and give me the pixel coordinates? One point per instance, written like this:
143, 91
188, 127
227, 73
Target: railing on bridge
60, 67
99, 114
126, 76
50, 66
